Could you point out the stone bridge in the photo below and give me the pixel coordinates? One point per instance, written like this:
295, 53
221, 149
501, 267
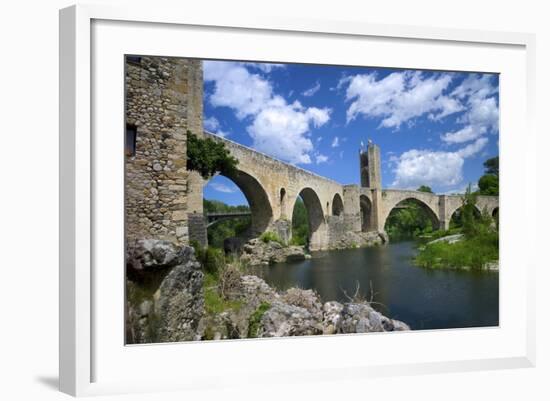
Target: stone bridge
163, 200
272, 187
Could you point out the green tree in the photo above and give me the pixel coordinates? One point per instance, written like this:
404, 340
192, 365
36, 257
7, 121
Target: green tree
408, 221
488, 184
208, 157
491, 166
425, 188
300, 223
236, 227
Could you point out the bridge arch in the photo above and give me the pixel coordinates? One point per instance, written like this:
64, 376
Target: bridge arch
337, 205
261, 211
316, 218
428, 202
365, 206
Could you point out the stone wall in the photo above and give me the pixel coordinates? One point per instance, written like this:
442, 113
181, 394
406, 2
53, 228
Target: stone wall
163, 101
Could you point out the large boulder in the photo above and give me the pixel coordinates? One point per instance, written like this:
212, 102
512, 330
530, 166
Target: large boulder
164, 287
363, 318
151, 254
180, 303
258, 252
307, 299
282, 320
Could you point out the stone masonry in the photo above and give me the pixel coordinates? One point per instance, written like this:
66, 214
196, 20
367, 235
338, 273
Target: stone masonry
163, 101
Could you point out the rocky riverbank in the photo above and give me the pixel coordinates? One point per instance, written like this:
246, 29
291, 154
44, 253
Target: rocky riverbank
179, 306
258, 252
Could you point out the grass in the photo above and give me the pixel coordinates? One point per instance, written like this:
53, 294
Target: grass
214, 303
269, 236
255, 319
469, 253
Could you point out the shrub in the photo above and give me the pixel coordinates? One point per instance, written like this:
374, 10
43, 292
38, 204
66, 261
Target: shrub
213, 260
270, 236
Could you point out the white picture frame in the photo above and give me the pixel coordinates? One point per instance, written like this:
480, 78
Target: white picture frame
84, 357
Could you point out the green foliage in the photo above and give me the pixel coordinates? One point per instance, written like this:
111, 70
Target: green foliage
409, 222
425, 188
256, 318
236, 227
471, 252
488, 185
214, 303
212, 259
208, 157
491, 166
270, 236
300, 224
479, 246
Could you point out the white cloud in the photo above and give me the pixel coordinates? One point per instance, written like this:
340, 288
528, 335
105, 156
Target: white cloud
473, 148
212, 124
335, 142
277, 127
435, 168
222, 188
312, 91
482, 114
264, 67
319, 158
399, 97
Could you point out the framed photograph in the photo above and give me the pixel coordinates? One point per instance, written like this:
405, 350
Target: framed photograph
268, 199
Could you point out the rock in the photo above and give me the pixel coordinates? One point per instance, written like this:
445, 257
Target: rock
181, 302
149, 254
257, 252
492, 266
307, 299
332, 317
283, 320
358, 240
256, 290
233, 245
451, 239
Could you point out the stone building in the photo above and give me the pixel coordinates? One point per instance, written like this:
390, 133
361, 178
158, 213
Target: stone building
163, 101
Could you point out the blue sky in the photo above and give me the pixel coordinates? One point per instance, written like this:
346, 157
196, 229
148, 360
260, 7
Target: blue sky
433, 128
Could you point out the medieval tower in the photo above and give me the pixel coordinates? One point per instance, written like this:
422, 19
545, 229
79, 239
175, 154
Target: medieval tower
369, 162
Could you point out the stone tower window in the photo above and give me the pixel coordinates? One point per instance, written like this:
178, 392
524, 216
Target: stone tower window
131, 136
133, 59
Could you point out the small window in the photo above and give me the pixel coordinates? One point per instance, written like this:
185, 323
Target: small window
133, 59
131, 136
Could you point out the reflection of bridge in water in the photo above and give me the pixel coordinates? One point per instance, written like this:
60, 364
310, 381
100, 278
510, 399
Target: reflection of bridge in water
271, 188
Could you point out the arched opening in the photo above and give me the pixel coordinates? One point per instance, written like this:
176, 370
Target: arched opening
282, 202
337, 205
308, 221
366, 209
495, 216
236, 209
457, 218
410, 218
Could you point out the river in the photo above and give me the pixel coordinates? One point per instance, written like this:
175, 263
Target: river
422, 298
